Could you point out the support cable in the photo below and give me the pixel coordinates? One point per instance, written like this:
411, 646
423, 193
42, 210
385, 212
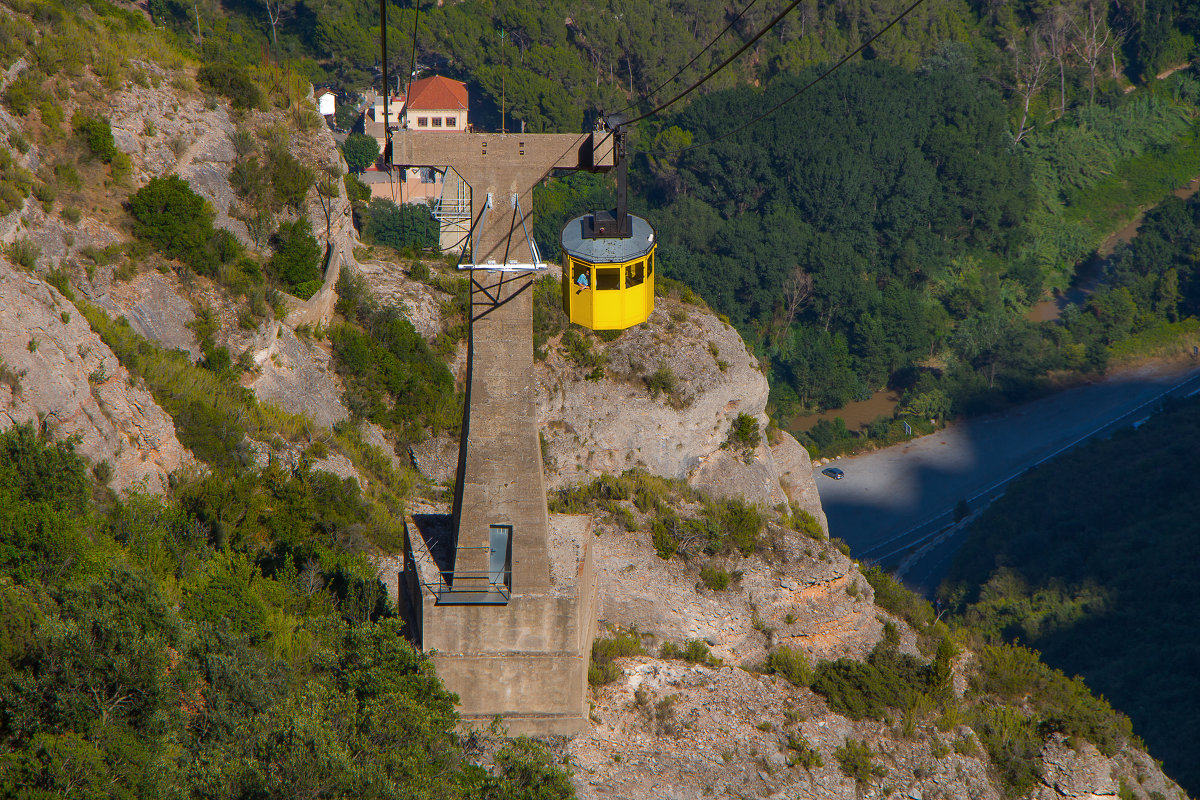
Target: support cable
795, 94
718, 68
695, 58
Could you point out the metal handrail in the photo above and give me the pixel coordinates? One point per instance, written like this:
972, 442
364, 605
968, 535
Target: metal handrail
448, 585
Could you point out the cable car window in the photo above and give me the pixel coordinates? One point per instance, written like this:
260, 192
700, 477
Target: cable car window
608, 278
650, 264
580, 270
635, 273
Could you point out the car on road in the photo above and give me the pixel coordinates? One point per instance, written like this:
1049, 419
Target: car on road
833, 472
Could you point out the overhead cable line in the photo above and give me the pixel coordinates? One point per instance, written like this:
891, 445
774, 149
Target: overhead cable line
795, 94
717, 68
695, 58
412, 64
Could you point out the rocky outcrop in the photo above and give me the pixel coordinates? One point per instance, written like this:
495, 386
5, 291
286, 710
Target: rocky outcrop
156, 308
807, 596
667, 729
59, 375
296, 376
391, 286
615, 423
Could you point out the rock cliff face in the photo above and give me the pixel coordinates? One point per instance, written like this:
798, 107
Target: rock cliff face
56, 373
672, 730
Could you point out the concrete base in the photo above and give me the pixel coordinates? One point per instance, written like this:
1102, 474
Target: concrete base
525, 661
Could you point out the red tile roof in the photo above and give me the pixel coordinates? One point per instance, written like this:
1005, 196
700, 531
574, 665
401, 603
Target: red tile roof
438, 93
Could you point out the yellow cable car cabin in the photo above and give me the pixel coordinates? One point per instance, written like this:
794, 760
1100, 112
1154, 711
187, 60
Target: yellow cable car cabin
608, 275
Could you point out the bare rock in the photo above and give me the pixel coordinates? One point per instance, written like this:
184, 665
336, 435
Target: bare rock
671, 729
436, 458
1075, 772
296, 375
615, 423
810, 597
730, 473
794, 468
156, 308
391, 286
66, 378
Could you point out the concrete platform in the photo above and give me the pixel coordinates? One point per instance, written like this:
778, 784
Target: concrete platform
525, 660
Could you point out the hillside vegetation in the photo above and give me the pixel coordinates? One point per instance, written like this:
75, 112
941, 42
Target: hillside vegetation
222, 644
1093, 559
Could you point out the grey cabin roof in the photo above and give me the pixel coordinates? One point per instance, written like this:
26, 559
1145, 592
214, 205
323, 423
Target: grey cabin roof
607, 251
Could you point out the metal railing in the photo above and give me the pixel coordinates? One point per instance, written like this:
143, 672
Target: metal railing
467, 587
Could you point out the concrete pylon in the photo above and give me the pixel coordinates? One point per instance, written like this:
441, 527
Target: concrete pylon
511, 618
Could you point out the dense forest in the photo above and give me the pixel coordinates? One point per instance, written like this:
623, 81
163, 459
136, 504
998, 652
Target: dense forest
1093, 559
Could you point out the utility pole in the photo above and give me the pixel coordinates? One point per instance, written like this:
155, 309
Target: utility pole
503, 81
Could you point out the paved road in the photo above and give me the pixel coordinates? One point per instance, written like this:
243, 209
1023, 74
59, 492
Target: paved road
896, 505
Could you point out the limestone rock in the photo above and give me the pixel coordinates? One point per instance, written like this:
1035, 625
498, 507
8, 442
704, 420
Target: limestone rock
436, 458
156, 308
671, 729
391, 286
615, 423
809, 597
62, 375
296, 376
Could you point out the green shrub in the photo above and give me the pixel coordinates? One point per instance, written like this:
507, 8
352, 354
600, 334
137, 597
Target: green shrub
24, 92
856, 760
888, 679
715, 578
577, 348
391, 375
803, 753
735, 524
360, 152
232, 81
666, 544
601, 668
893, 596
530, 772
1012, 743
803, 522
289, 179
59, 279
96, 133
662, 381
790, 664
297, 257
400, 227
356, 190
744, 432
694, 651
1065, 705
168, 214
45, 193
23, 253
